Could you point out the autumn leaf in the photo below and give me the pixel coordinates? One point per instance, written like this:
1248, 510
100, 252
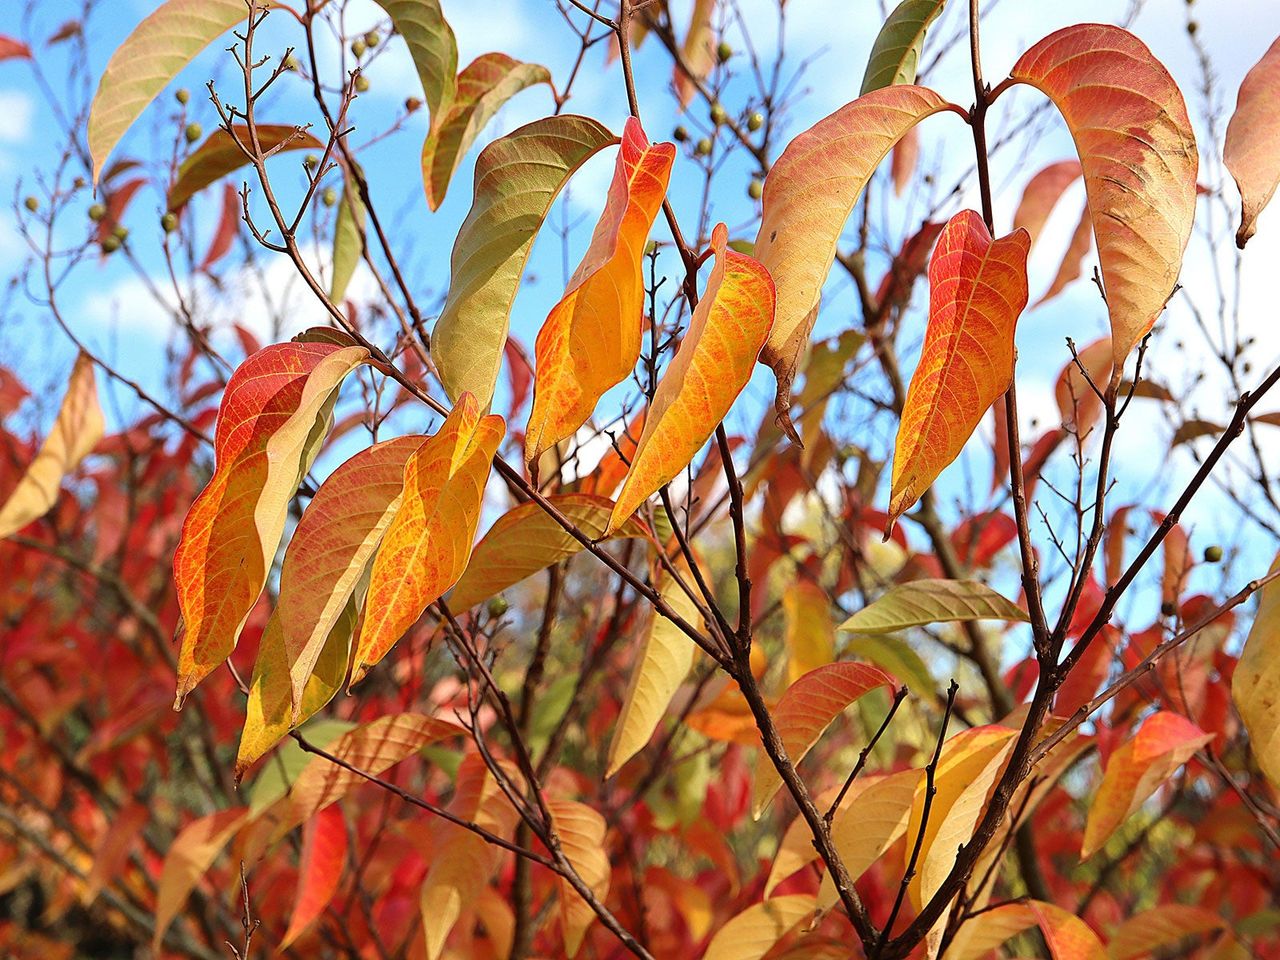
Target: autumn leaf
483, 87
664, 660
1136, 769
809, 634
1067, 936
895, 54
220, 155
1041, 195
113, 849
225, 232
978, 289
1076, 391
903, 161
11, 49
754, 931
1139, 155
710, 369
348, 241
320, 868
581, 831
188, 858
271, 422
863, 831
808, 195
516, 179
1142, 934
922, 602
427, 544
432, 47
157, 50
1251, 150
697, 52
1255, 685
591, 339
527, 539
1072, 264
806, 710
76, 431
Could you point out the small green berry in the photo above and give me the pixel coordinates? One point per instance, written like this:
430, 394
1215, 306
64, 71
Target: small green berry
182, 95
121, 232
329, 197
755, 189
755, 121
724, 51
1168, 608
192, 133
31, 203
718, 116
361, 83
358, 47
372, 39
97, 212
680, 134
169, 222
498, 606
703, 147
311, 161
110, 244
1213, 554
651, 249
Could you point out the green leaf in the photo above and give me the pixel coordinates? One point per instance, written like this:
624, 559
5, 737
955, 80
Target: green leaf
432, 47
150, 57
896, 53
892, 654
220, 155
922, 602
516, 180
347, 243
483, 87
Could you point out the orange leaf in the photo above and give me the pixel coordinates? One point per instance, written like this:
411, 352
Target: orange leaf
189, 857
697, 53
1163, 743
808, 195
978, 288
1072, 264
906, 154
810, 633
864, 830
1251, 150
324, 856
527, 539
581, 831
220, 155
113, 849
1078, 403
806, 710
1067, 936
1041, 195
709, 371
1162, 926
270, 426
753, 932
428, 542
591, 339
76, 431
1138, 152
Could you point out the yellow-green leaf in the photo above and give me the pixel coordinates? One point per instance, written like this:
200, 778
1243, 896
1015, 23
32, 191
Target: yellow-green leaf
1255, 685
896, 53
922, 602
432, 47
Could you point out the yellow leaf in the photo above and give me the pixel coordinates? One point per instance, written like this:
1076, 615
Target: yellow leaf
581, 831
1255, 685
810, 635
188, 859
862, 832
753, 932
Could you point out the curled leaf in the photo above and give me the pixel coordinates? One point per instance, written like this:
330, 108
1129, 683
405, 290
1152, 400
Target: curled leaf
895, 54
1251, 151
220, 155
432, 47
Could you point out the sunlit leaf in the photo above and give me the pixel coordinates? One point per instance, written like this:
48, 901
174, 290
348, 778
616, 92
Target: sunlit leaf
516, 180
1162, 926
1077, 398
978, 289
806, 710
710, 369
320, 869
1042, 193
527, 539
921, 602
157, 50
864, 830
484, 86
431, 46
1072, 264
591, 339
76, 431
1136, 769
220, 155
1068, 937
697, 52
895, 55
809, 633
426, 546
581, 831
188, 858
273, 417
1139, 155
808, 195
1251, 151
1255, 685
896, 657
754, 931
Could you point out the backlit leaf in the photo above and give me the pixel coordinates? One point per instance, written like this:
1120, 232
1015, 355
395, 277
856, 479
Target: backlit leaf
1078, 402
809, 634
753, 932
516, 180
273, 416
1041, 195
697, 52
863, 831
1072, 264
76, 431
527, 539
581, 831
11, 49
1136, 769
921, 602
484, 86
1139, 155
808, 195
320, 869
1068, 937
1161, 926
1251, 151
188, 858
591, 339
806, 710
431, 46
895, 55
665, 657
159, 47
220, 155
708, 372
978, 289
1255, 685
225, 232
426, 546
